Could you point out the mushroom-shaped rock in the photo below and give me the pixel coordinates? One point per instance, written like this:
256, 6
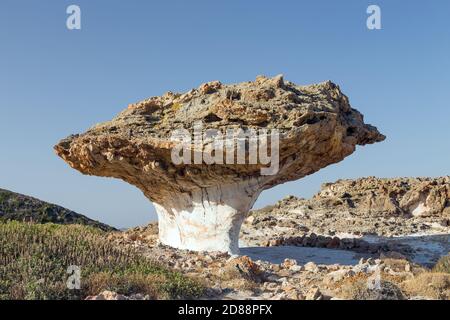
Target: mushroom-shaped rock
204, 156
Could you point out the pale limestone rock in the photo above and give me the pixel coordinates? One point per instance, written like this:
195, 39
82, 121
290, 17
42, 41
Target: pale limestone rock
202, 206
108, 295
417, 197
314, 294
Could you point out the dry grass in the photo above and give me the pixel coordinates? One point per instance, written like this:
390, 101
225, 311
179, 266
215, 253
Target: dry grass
34, 259
421, 283
361, 290
430, 284
134, 283
443, 265
434, 285
240, 273
357, 288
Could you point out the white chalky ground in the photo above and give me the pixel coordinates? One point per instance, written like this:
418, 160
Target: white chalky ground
427, 250
302, 255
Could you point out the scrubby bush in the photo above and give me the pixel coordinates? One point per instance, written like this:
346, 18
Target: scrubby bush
363, 290
443, 265
430, 285
34, 259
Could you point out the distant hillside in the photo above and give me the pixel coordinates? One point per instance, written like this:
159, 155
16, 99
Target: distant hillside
15, 206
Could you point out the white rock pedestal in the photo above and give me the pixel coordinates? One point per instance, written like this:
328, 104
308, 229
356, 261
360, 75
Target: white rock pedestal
201, 205
207, 219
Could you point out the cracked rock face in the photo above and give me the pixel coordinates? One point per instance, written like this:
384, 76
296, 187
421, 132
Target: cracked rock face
400, 212
409, 197
201, 206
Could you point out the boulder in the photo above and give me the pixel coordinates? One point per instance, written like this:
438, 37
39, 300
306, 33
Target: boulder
202, 157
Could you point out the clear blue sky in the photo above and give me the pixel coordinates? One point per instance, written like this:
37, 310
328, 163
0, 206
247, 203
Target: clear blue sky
54, 82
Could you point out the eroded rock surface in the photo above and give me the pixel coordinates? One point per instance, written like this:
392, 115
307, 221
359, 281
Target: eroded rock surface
379, 206
201, 206
411, 197
317, 248
408, 215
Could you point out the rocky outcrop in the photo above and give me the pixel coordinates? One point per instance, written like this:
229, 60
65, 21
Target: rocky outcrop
376, 197
342, 212
398, 196
202, 196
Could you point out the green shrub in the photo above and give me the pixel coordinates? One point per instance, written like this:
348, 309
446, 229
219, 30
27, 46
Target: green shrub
34, 259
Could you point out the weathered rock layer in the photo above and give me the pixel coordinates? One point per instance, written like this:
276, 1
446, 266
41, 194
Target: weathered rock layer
396, 196
383, 207
201, 206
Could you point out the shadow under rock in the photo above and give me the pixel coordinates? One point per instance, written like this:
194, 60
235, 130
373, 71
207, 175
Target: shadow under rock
303, 255
422, 249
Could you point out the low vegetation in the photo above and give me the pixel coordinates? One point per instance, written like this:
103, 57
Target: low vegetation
432, 285
362, 290
443, 265
19, 207
401, 279
34, 261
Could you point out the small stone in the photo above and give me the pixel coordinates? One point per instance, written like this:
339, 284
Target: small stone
285, 273
243, 266
296, 268
261, 79
275, 267
265, 243
281, 280
107, 295
334, 243
407, 267
208, 259
199, 264
292, 295
287, 263
278, 81
273, 242
272, 278
280, 296
271, 286
210, 87
314, 294
336, 276
250, 220
311, 267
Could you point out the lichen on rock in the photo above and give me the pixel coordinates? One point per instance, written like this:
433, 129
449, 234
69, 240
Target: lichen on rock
201, 206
